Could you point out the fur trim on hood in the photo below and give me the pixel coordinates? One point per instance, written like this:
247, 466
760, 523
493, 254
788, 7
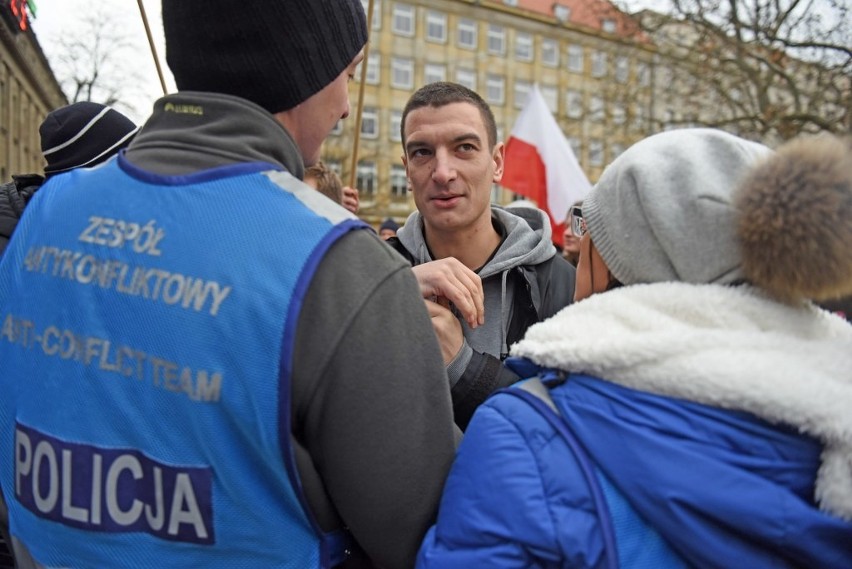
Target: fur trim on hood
795, 220
727, 347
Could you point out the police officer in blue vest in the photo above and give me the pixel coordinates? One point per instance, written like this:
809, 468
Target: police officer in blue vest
190, 358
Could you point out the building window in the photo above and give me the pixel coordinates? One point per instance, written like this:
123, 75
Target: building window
596, 152
377, 12
403, 19
395, 124
510, 2
615, 150
399, 181
433, 72
575, 58
638, 117
573, 104
334, 165
522, 93
523, 46
562, 12
596, 108
495, 89
466, 77
365, 178
374, 69
608, 25
551, 97
370, 123
436, 27
669, 119
598, 63
496, 40
619, 114
467, 33
549, 52
402, 73
643, 74
622, 69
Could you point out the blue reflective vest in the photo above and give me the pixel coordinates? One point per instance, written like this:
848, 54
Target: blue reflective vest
146, 333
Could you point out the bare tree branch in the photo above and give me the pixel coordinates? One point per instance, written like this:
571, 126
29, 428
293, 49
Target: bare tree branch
91, 64
768, 69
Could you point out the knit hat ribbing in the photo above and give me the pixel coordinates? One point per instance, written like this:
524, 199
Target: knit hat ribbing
271, 52
83, 134
662, 210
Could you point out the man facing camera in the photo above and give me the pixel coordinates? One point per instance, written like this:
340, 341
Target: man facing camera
452, 158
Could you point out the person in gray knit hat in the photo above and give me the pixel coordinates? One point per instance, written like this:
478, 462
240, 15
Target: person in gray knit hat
691, 408
231, 369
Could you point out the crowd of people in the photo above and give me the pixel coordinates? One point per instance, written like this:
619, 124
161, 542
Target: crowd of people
208, 359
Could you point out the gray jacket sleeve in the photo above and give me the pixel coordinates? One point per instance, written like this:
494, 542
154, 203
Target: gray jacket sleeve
372, 414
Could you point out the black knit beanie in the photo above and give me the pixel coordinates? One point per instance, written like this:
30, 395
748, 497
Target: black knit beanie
275, 53
83, 134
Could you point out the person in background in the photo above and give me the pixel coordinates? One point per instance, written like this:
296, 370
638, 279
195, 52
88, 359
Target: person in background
320, 177
711, 428
452, 158
571, 236
325, 180
231, 370
78, 135
388, 229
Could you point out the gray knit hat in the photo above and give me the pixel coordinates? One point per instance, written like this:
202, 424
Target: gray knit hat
662, 210
275, 53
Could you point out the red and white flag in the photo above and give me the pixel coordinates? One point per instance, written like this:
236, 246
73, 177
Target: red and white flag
540, 164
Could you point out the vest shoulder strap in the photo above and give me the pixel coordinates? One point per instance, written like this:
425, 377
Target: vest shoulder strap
630, 542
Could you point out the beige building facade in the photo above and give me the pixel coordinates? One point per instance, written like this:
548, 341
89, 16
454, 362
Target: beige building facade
595, 75
28, 91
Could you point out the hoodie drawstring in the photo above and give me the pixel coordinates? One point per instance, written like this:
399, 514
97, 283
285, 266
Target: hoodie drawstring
504, 349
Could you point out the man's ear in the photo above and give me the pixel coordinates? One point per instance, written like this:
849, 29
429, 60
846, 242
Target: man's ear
498, 156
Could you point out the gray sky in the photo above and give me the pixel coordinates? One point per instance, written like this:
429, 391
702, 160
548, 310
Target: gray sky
56, 18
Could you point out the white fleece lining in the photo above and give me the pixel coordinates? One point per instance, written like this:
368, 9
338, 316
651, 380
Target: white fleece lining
728, 347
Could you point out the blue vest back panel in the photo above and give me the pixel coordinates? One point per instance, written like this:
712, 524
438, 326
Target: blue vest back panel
145, 347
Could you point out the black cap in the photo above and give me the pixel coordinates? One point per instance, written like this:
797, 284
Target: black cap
274, 53
389, 224
83, 134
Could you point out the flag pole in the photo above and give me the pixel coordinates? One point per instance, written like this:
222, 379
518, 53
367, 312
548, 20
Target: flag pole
353, 170
153, 47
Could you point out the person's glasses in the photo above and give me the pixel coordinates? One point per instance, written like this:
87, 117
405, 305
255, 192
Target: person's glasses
578, 224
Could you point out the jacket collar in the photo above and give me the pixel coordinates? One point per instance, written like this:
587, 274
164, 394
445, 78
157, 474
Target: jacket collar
192, 131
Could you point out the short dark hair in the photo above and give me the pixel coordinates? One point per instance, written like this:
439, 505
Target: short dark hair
443, 93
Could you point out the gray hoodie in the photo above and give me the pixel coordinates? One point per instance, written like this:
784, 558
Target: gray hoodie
526, 251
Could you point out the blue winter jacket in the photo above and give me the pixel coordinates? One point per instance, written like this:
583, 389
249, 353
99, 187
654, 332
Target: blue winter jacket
722, 488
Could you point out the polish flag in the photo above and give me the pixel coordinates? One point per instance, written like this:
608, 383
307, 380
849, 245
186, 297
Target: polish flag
540, 164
